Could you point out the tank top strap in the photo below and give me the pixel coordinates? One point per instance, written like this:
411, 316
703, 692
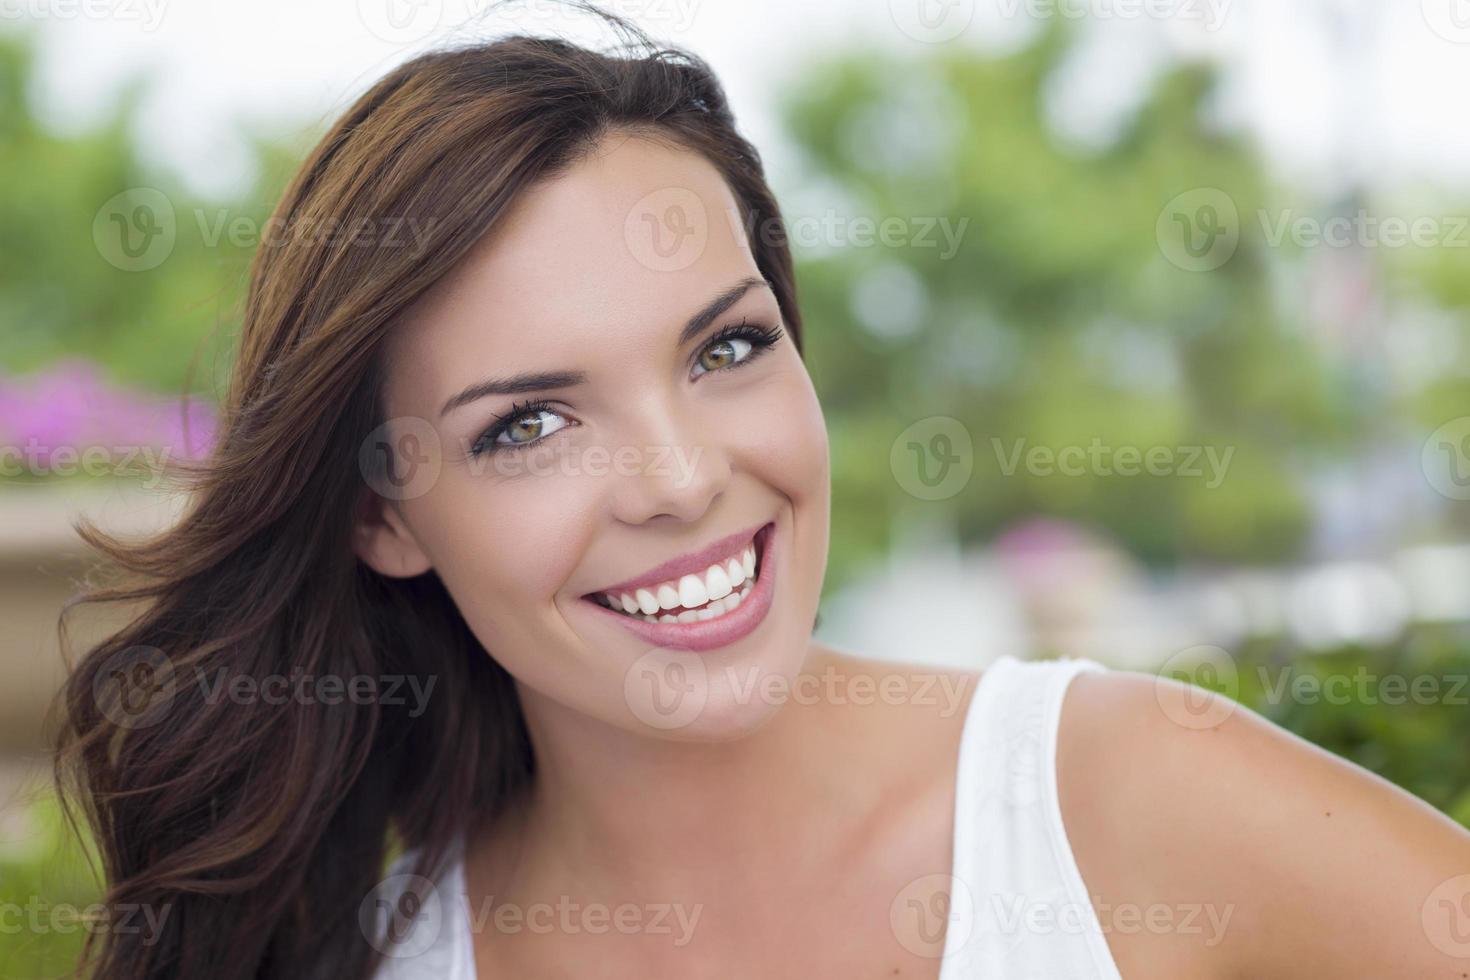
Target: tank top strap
1018, 907
421, 926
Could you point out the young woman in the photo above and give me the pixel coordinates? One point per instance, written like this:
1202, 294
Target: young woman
485, 646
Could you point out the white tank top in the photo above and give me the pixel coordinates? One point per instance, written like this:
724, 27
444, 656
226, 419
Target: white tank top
1017, 906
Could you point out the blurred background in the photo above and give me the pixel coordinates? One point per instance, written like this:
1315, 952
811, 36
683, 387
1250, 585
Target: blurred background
1142, 328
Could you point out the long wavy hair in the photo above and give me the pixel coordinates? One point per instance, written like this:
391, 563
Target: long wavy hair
261, 827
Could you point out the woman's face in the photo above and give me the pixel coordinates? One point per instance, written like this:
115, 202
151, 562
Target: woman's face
660, 442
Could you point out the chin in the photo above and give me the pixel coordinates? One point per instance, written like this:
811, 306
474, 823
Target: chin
726, 719
680, 695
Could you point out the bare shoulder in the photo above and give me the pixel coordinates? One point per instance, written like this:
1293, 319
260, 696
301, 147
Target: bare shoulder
1175, 796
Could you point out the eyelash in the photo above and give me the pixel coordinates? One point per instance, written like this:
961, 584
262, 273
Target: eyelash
761, 339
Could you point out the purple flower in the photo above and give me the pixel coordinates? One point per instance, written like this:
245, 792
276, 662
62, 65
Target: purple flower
52, 417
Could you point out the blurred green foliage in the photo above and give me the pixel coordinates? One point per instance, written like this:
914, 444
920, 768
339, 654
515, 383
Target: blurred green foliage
165, 328
1054, 319
46, 886
1059, 319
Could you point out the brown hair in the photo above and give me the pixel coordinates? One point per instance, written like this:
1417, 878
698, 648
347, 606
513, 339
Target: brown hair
261, 828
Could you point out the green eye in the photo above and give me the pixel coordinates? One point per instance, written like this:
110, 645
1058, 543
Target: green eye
530, 425
734, 346
523, 426
724, 353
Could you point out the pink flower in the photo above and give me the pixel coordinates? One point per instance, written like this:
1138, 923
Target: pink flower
72, 407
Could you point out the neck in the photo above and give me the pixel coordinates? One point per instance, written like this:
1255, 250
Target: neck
611, 807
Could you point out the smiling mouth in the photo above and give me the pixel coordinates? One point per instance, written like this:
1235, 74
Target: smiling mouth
716, 592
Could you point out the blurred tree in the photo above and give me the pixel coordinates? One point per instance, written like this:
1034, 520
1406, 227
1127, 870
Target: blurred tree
1059, 319
62, 295
1029, 294
1432, 287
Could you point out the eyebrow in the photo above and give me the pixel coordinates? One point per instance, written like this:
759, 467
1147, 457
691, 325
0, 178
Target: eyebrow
518, 384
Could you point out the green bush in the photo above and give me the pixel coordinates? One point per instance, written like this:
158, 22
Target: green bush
46, 888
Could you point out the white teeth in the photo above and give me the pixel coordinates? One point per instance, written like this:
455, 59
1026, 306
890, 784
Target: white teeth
719, 607
692, 591
719, 590
717, 583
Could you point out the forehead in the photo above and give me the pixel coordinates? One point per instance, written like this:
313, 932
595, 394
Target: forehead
626, 244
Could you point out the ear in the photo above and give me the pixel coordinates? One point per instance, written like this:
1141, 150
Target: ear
383, 541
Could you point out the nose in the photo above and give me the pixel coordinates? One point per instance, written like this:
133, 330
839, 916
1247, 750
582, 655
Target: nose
680, 465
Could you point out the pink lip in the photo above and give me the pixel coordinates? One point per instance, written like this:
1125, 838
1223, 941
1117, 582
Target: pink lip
722, 630
693, 563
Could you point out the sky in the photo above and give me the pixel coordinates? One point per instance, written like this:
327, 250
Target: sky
1380, 96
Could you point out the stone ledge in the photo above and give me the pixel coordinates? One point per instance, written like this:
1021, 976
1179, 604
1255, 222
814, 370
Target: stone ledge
36, 520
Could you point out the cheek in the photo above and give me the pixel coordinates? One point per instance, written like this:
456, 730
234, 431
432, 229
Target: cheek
504, 546
796, 462
787, 436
